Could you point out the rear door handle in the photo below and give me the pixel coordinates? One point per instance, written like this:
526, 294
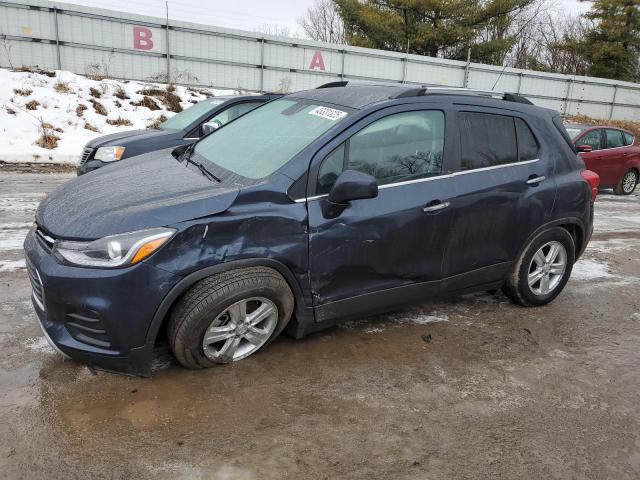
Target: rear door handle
435, 207
535, 180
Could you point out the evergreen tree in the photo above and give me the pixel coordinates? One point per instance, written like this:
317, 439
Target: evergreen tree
612, 46
437, 28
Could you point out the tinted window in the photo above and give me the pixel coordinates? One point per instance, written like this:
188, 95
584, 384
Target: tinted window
400, 147
185, 118
487, 140
260, 142
527, 143
614, 138
593, 139
234, 112
628, 138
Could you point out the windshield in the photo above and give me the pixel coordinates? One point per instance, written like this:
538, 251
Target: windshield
186, 117
260, 142
574, 132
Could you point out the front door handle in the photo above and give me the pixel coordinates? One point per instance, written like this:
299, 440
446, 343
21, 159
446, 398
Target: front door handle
535, 180
434, 207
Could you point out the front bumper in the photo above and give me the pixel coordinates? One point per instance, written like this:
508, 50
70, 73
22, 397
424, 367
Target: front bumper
97, 316
90, 166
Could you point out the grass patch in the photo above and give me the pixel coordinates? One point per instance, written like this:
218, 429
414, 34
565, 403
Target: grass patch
89, 126
23, 92
10, 110
41, 71
80, 110
147, 102
155, 124
98, 107
48, 126
94, 92
32, 105
121, 94
61, 87
120, 122
166, 96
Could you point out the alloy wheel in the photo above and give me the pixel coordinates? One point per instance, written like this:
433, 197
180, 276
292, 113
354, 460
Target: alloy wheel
240, 330
629, 182
547, 268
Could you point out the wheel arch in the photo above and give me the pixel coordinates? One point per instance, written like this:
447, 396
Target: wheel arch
574, 226
301, 313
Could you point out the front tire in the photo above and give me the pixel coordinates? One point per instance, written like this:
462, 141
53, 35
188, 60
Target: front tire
229, 316
543, 269
627, 183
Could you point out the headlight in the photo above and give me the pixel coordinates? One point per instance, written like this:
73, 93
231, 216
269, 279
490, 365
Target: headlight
116, 250
109, 154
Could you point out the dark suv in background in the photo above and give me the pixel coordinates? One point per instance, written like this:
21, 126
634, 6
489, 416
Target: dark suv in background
182, 129
347, 201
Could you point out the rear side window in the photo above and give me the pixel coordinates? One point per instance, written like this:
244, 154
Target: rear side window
487, 140
628, 138
593, 139
401, 147
614, 138
527, 143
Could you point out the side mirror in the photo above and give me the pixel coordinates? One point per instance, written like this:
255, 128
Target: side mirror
353, 185
211, 126
585, 148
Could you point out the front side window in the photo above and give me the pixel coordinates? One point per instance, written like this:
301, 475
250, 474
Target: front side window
614, 138
400, 147
574, 132
234, 112
186, 117
260, 142
593, 139
487, 140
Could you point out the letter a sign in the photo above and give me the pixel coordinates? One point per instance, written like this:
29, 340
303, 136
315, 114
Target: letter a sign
317, 62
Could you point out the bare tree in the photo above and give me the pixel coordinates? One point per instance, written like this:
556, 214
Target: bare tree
546, 44
322, 23
276, 30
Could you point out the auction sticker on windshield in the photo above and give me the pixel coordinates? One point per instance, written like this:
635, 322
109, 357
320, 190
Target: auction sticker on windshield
328, 113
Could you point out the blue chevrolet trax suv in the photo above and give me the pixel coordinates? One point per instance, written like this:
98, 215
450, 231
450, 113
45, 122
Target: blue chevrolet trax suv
314, 208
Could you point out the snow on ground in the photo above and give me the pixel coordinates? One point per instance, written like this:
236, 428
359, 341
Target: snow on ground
586, 269
28, 99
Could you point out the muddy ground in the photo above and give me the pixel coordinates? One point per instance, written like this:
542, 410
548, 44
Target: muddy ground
471, 388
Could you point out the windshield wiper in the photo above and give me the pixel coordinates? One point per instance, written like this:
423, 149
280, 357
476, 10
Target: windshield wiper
204, 170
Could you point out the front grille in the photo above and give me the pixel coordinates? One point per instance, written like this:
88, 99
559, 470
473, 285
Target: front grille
45, 239
36, 284
87, 153
86, 327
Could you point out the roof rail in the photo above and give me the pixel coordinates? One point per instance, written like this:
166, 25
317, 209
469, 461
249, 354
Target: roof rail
417, 90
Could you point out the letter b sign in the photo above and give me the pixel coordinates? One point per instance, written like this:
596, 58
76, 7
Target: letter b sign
143, 38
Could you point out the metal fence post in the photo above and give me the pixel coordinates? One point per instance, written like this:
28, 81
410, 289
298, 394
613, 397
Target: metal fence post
613, 101
55, 22
344, 55
466, 69
262, 64
167, 45
566, 97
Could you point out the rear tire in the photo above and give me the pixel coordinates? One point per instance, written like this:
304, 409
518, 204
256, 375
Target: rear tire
224, 307
627, 183
542, 270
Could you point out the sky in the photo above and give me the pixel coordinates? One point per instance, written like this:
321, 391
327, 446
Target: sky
250, 15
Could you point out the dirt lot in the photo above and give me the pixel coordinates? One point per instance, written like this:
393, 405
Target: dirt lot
470, 388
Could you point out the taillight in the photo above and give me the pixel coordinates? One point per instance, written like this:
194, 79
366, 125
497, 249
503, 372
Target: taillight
593, 179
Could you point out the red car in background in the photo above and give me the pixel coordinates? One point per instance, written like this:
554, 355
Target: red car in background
611, 152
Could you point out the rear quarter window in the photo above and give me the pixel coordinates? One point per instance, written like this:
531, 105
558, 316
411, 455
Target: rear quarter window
487, 140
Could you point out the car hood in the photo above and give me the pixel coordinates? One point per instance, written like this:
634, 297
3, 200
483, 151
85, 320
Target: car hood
155, 190
126, 138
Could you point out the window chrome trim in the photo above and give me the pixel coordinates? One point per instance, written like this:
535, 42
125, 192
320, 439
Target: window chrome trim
428, 179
